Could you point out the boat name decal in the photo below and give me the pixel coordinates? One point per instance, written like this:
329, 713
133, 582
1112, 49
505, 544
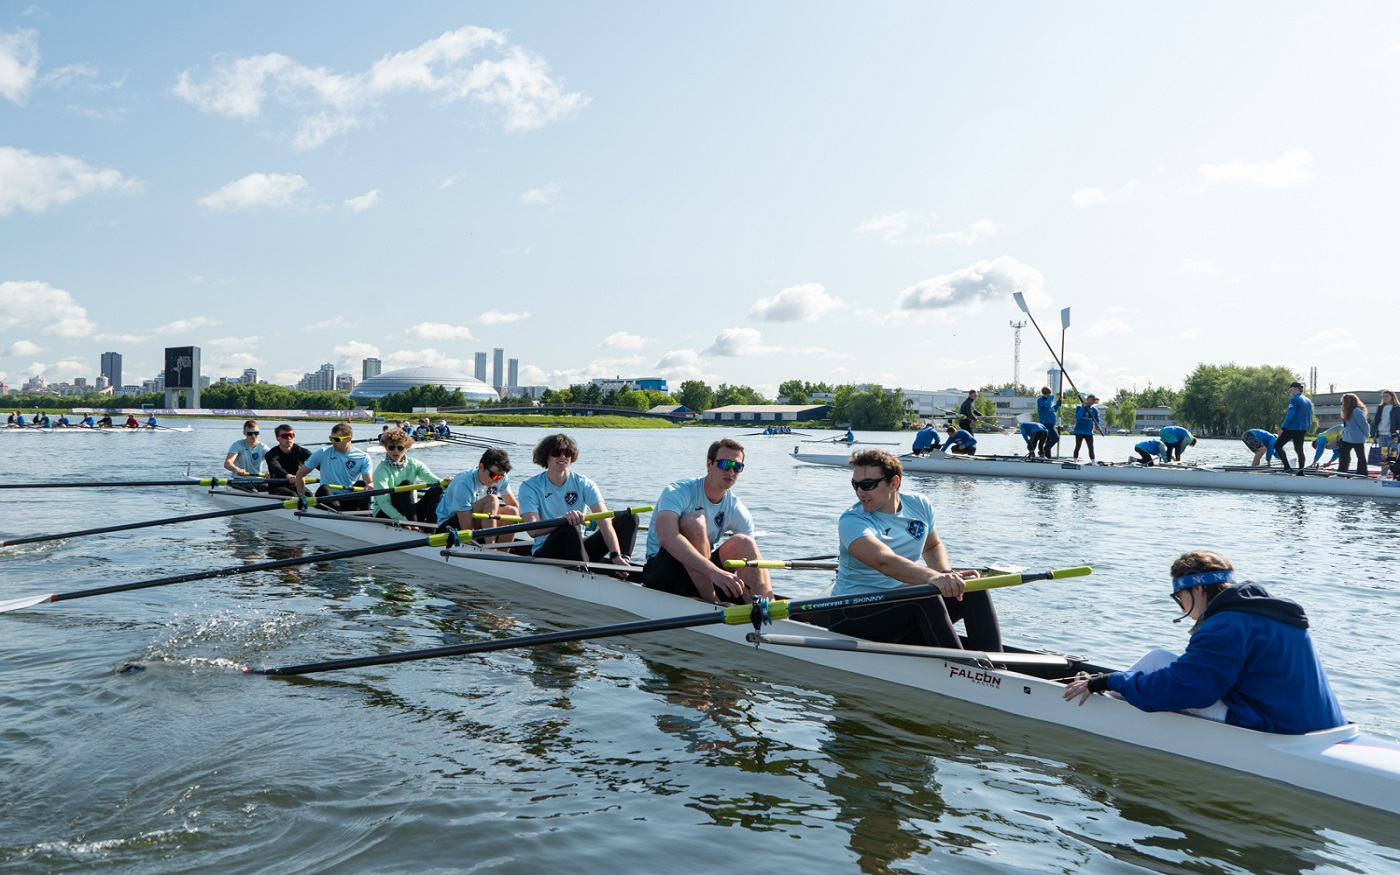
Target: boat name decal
975, 675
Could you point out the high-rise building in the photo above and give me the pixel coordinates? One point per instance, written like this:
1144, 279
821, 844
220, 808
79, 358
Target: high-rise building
345, 382
112, 367
512, 375
498, 361
321, 381
250, 376
480, 371
370, 368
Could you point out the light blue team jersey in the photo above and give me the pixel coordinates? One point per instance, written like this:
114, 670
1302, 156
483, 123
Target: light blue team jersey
1153, 447
341, 469
467, 489
538, 495
688, 496
1175, 434
1300, 413
903, 532
250, 459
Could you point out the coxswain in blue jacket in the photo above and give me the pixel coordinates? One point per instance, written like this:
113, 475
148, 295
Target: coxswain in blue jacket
1177, 439
1331, 439
1033, 433
1261, 441
926, 441
1149, 448
1249, 651
959, 442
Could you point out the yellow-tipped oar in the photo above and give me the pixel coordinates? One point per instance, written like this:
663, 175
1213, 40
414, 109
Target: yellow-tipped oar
795, 564
737, 615
496, 516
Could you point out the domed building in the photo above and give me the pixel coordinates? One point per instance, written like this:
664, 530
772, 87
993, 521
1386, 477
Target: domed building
408, 378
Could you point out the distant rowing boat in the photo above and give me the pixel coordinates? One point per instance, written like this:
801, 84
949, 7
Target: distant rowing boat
1341, 762
78, 429
1314, 482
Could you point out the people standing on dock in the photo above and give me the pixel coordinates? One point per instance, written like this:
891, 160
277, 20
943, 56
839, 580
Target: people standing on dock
245, 457
1296, 423
1175, 439
484, 490
1250, 661
882, 537
1261, 441
684, 553
1331, 439
1086, 421
926, 441
340, 464
1147, 449
960, 442
1385, 428
1355, 428
561, 492
1047, 413
967, 414
1035, 435
284, 459
398, 469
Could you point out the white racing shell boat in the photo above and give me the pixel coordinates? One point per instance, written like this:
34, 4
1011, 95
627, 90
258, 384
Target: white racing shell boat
1343, 762
77, 429
1313, 482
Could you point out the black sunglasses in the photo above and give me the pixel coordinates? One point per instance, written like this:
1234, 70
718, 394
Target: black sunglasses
560, 451
869, 484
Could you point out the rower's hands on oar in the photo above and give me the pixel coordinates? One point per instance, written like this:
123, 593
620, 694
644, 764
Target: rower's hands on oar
726, 582
574, 517
951, 584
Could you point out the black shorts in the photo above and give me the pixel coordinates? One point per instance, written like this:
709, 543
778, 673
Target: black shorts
1252, 441
665, 572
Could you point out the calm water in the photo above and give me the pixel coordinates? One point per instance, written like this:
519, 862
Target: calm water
650, 753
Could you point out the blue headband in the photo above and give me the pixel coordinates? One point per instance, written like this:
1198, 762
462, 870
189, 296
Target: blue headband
1205, 578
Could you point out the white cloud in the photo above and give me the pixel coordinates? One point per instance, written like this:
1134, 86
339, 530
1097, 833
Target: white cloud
363, 202
738, 342
545, 194
558, 379
896, 229
184, 326
803, 303
1200, 267
38, 303
1105, 327
496, 317
223, 344
427, 332
1332, 340
22, 348
19, 64
1087, 197
350, 355
1292, 168
257, 190
682, 364
977, 232
330, 104
1190, 334
36, 182
892, 226
622, 340
969, 288
426, 357
335, 323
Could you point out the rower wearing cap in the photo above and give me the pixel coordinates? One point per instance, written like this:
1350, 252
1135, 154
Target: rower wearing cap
1250, 661
1296, 423
1176, 439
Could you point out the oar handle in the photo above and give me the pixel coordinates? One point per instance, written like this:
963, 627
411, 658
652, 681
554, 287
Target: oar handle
497, 516
534, 525
795, 564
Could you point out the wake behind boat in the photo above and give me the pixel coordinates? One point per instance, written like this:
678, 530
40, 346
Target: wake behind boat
1313, 482
1340, 762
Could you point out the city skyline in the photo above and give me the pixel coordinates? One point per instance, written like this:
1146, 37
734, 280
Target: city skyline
416, 185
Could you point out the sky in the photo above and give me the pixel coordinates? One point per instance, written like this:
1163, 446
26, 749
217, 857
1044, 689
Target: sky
734, 192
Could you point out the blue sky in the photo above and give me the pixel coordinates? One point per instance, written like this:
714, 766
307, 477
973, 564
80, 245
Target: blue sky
736, 192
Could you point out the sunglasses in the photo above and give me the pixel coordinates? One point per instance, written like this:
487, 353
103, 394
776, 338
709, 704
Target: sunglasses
729, 465
339, 438
286, 434
396, 449
869, 483
493, 475
252, 433
560, 451
1176, 597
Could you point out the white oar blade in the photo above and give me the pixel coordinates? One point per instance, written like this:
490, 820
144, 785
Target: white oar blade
1020, 301
1064, 318
21, 604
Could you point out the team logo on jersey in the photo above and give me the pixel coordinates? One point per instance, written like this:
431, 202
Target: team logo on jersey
349, 464
916, 528
571, 498
719, 521
491, 490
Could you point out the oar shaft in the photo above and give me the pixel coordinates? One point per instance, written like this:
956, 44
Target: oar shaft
208, 481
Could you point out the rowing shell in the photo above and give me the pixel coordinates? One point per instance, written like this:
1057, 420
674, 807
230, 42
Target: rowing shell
78, 429
1187, 477
1341, 762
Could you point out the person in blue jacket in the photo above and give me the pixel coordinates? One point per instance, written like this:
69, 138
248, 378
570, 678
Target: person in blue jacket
1034, 434
1047, 413
1356, 427
1250, 661
1296, 423
1086, 421
1261, 441
926, 441
1331, 439
959, 442
1149, 448
1176, 439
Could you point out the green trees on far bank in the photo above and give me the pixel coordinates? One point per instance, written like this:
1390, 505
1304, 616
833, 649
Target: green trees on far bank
1230, 399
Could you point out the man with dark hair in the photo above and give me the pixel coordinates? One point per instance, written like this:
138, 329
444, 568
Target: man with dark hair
340, 465
284, 459
967, 414
1296, 423
485, 490
684, 553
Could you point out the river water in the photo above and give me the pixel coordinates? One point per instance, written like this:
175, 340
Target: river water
646, 753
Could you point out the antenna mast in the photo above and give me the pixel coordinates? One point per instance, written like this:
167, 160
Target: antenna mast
1016, 374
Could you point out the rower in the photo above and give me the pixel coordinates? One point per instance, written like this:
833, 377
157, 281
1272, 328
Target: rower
1261, 441
559, 491
63, 421
1176, 439
684, 553
105, 421
1331, 439
960, 442
284, 459
340, 465
1034, 434
850, 437
245, 457
484, 490
132, 421
882, 538
87, 422
1250, 661
926, 441
1149, 448
398, 469
151, 422
442, 429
